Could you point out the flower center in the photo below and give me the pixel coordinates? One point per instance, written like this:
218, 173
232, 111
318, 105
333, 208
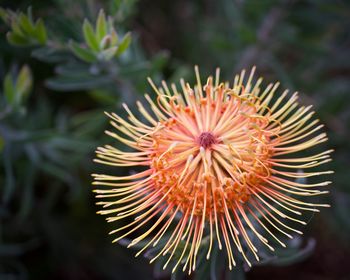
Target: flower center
212, 170
206, 139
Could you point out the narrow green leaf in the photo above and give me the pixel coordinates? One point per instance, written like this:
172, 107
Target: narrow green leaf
89, 36
237, 273
16, 28
16, 39
26, 25
2, 143
8, 16
103, 97
101, 25
203, 271
27, 196
213, 262
84, 54
23, 84
30, 15
124, 44
57, 172
40, 32
73, 70
9, 89
298, 256
3, 15
114, 37
78, 83
50, 55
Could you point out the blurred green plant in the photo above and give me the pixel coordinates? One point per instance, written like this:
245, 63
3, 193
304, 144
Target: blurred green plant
102, 43
46, 146
24, 31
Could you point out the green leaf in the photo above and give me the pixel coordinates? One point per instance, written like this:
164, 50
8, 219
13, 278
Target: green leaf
203, 271
30, 15
237, 273
104, 97
73, 69
3, 15
124, 44
77, 83
16, 39
23, 84
84, 54
160, 60
213, 262
16, 28
26, 25
89, 36
2, 143
114, 37
57, 172
9, 89
101, 25
51, 55
40, 32
295, 255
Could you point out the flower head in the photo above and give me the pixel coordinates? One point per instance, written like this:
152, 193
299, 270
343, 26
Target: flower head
220, 163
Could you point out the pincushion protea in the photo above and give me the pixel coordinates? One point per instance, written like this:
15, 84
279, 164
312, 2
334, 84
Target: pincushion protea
219, 161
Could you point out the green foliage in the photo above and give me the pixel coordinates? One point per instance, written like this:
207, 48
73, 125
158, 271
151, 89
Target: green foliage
102, 42
24, 31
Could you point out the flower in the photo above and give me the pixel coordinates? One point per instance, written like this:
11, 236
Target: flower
220, 161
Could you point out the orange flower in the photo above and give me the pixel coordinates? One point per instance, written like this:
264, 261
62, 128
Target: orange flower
219, 162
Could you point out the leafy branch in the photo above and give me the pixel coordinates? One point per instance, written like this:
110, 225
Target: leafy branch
101, 43
24, 31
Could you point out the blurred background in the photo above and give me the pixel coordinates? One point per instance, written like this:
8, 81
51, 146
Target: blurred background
58, 77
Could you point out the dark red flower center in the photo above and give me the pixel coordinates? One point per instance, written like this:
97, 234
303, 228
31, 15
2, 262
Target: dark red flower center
206, 139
